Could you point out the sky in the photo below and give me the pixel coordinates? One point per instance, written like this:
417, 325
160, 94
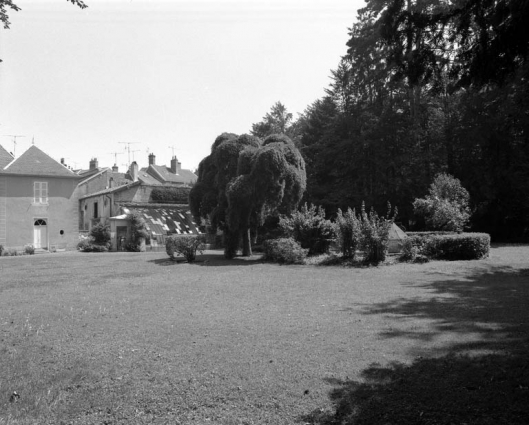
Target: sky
131, 77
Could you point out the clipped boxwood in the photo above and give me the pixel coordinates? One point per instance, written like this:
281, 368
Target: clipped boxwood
284, 251
462, 246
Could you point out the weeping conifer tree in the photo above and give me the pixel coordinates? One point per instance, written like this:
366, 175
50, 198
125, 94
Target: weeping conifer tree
243, 180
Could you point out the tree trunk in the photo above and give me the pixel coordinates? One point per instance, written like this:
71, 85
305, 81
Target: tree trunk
246, 243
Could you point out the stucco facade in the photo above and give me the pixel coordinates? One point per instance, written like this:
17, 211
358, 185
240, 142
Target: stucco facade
38, 207
100, 206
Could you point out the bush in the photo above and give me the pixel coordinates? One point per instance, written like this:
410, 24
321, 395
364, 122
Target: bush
446, 205
177, 195
375, 234
310, 228
284, 251
29, 249
348, 232
412, 250
186, 245
138, 232
100, 234
463, 246
9, 252
1, 249
87, 245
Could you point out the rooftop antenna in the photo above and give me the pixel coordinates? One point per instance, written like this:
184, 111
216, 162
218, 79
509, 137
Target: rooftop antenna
14, 136
173, 148
116, 156
127, 148
132, 152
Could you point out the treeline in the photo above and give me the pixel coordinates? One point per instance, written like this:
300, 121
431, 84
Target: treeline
424, 87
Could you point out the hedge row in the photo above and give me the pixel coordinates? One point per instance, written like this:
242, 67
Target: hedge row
456, 246
178, 195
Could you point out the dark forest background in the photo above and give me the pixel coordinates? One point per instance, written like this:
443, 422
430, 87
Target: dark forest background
424, 87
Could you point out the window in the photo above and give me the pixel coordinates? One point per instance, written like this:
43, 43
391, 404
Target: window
96, 212
40, 192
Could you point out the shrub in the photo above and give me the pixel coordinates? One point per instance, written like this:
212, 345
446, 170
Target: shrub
87, 245
9, 252
186, 245
138, 232
412, 249
464, 246
177, 195
375, 234
310, 228
100, 234
284, 251
29, 249
348, 232
446, 205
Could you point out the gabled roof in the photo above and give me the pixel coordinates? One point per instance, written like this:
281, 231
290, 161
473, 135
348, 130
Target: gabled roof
146, 178
5, 157
166, 175
34, 162
111, 190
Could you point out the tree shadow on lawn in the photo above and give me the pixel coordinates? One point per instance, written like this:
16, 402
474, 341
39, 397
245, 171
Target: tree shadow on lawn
484, 380
210, 259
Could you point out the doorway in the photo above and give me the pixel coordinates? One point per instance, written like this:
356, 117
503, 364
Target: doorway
40, 233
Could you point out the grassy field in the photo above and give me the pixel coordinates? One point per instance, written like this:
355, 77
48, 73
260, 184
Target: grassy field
127, 338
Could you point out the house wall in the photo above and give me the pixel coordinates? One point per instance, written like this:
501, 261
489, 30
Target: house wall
109, 205
95, 183
105, 209
19, 212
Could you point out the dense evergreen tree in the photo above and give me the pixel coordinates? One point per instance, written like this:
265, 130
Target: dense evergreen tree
243, 180
426, 87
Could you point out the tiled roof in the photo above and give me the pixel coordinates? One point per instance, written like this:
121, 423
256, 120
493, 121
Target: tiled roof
36, 163
146, 178
184, 176
167, 220
5, 157
111, 189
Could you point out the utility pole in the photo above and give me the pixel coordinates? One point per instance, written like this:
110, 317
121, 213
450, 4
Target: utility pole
127, 148
14, 136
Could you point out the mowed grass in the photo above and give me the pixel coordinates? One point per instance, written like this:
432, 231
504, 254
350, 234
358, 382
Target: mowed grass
127, 338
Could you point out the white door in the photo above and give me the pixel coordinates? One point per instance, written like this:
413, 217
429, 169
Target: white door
40, 234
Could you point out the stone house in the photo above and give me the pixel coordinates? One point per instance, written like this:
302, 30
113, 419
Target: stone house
39, 202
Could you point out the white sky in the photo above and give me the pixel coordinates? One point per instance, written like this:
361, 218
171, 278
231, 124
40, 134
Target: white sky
160, 73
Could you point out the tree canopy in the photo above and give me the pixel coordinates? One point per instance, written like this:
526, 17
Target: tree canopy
6, 5
426, 87
243, 180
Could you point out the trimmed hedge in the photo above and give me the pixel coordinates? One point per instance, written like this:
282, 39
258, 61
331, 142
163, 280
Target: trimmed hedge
454, 246
177, 195
284, 251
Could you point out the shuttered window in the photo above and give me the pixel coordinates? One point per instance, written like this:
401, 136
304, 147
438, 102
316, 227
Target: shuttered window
40, 192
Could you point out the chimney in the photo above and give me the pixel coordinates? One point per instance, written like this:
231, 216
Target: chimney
175, 166
115, 168
152, 159
133, 171
62, 162
93, 164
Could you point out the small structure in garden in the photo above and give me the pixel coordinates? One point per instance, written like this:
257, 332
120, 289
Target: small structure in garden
161, 220
396, 239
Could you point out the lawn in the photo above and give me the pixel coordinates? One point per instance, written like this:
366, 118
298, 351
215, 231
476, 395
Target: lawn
129, 338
